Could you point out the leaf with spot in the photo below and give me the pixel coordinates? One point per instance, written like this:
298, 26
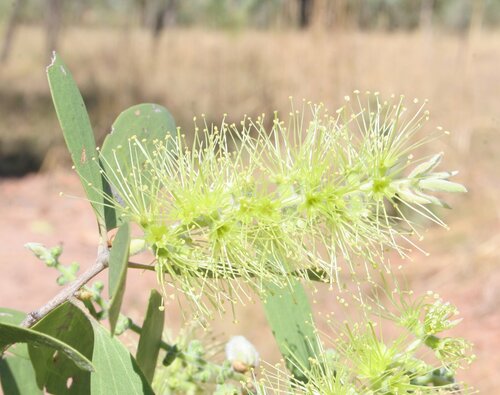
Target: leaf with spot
115, 369
69, 324
148, 123
79, 137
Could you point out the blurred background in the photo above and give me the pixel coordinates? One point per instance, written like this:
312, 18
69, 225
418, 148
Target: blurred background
247, 57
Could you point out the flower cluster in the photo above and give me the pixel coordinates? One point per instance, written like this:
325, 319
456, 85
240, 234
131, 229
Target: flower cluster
359, 359
259, 202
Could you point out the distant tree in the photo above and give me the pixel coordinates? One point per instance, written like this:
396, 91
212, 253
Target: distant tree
426, 13
53, 18
158, 14
305, 12
10, 31
165, 15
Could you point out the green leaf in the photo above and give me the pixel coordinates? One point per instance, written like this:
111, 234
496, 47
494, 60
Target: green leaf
17, 376
150, 340
10, 334
115, 370
12, 317
79, 137
148, 122
290, 316
118, 259
70, 325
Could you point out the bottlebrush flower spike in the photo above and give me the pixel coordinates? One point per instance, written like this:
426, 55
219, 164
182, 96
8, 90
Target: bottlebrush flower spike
259, 204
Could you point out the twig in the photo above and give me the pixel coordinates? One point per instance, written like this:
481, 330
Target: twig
66, 293
311, 274
138, 329
133, 265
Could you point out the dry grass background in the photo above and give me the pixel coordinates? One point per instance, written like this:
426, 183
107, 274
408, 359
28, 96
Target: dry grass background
193, 72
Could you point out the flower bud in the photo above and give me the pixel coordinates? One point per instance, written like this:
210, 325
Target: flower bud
43, 253
242, 354
439, 185
137, 246
426, 167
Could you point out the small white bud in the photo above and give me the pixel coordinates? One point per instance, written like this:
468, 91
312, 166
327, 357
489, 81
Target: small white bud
36, 248
242, 354
137, 246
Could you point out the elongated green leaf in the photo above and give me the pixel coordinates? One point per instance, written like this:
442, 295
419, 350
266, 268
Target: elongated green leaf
14, 317
70, 325
10, 334
290, 316
150, 340
149, 123
118, 259
78, 135
10, 316
115, 370
17, 376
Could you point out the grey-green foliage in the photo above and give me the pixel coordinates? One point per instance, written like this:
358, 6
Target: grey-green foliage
290, 317
145, 122
118, 260
79, 137
148, 348
17, 375
11, 334
114, 369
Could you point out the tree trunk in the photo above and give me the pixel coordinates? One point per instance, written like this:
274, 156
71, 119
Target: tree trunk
305, 12
165, 15
11, 27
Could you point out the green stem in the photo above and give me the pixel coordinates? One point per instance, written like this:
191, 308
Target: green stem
138, 329
133, 265
312, 274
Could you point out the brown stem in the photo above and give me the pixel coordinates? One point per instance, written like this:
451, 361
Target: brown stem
66, 293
